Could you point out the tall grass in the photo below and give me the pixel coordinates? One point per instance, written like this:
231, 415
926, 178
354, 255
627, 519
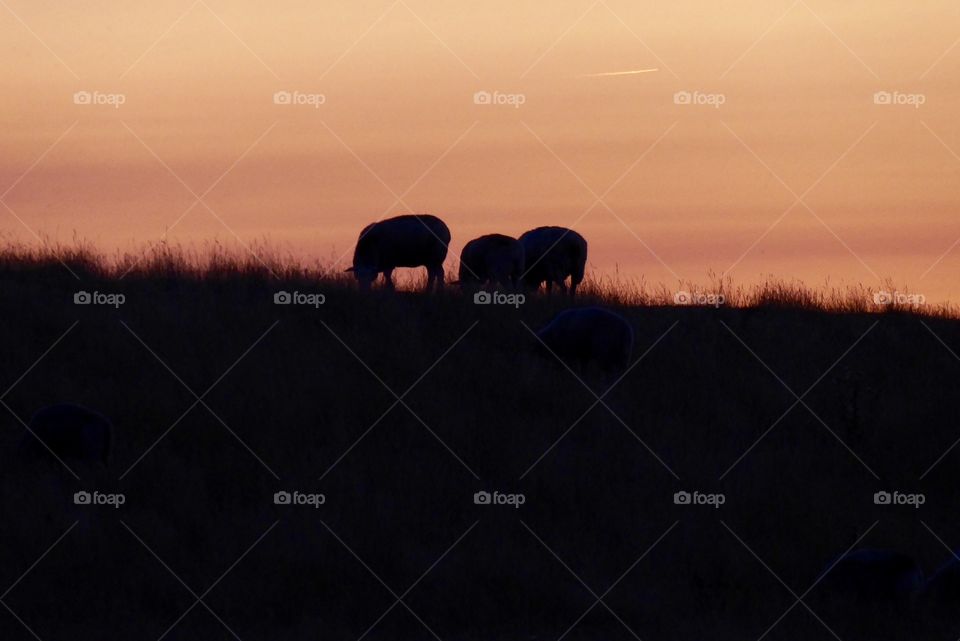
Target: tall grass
261, 261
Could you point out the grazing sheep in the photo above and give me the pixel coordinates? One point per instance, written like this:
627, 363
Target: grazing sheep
404, 241
942, 590
493, 258
873, 577
72, 432
589, 335
553, 254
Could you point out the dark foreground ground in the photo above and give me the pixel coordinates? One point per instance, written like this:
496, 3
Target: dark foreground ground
294, 398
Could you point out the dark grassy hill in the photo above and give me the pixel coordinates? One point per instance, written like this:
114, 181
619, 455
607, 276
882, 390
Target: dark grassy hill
296, 398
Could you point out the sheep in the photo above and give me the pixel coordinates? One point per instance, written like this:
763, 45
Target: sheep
586, 335
72, 433
552, 254
402, 241
493, 258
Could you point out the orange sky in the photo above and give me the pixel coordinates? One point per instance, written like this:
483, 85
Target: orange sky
684, 188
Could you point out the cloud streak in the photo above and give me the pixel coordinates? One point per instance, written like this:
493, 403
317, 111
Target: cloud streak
631, 72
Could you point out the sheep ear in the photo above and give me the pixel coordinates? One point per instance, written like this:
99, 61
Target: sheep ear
348, 269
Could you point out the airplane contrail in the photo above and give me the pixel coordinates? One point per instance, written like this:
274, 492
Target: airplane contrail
618, 73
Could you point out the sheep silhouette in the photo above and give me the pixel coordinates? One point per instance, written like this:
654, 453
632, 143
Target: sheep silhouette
871, 593
941, 596
552, 254
494, 258
415, 240
589, 335
72, 433
873, 577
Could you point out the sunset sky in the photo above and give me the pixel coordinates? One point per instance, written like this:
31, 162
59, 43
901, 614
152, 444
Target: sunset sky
798, 173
